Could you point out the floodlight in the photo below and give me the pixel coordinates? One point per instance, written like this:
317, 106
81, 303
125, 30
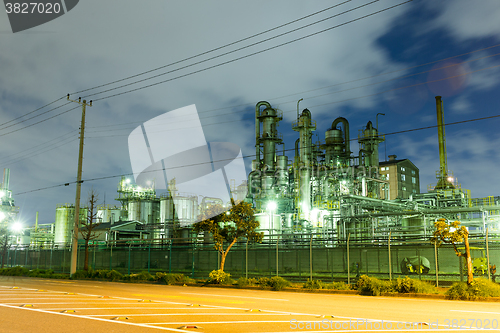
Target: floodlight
17, 227
271, 205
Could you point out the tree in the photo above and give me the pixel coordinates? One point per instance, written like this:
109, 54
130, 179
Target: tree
227, 227
89, 225
4, 244
453, 233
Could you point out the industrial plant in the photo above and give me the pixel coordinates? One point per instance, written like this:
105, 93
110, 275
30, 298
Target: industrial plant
325, 189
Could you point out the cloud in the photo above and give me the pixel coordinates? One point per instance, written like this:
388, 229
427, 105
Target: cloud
467, 20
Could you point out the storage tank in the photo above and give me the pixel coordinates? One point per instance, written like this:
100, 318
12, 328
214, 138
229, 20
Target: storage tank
268, 223
65, 219
134, 210
109, 215
186, 210
166, 215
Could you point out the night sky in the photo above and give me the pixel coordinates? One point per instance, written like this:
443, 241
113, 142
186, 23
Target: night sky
393, 62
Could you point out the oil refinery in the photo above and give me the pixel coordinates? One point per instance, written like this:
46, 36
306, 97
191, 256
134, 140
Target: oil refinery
324, 189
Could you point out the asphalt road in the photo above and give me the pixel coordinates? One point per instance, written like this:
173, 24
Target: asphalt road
43, 305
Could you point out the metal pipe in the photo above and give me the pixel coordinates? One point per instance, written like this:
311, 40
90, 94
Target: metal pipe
257, 127
298, 108
346, 133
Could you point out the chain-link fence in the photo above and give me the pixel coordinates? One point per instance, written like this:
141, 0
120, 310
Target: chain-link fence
297, 258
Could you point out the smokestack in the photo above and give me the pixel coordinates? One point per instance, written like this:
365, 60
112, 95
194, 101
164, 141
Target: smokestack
443, 182
6, 177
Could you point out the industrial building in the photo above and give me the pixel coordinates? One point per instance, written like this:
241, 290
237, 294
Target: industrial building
324, 189
328, 191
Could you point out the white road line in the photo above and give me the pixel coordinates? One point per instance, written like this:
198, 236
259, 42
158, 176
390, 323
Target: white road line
476, 311
35, 303
129, 308
364, 331
191, 314
99, 319
267, 299
222, 322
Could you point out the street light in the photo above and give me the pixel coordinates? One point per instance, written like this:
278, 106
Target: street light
376, 117
17, 227
271, 207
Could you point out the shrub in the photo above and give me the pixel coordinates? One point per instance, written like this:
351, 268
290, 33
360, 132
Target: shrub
372, 286
172, 278
142, 276
263, 282
243, 282
113, 275
339, 286
407, 285
313, 284
278, 283
479, 289
80, 275
219, 277
14, 271
99, 274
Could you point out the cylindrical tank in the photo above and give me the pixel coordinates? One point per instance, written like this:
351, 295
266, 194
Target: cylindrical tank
282, 165
109, 215
186, 209
288, 220
267, 185
65, 219
269, 135
334, 147
63, 225
268, 223
134, 210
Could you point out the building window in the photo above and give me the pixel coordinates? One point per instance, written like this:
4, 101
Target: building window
387, 176
413, 172
413, 180
403, 188
403, 178
414, 191
403, 169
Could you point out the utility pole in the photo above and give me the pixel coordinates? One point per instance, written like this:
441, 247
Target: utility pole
74, 247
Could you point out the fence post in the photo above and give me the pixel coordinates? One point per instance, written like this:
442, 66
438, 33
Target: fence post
170, 257
192, 261
129, 257
94, 245
111, 257
488, 256
51, 251
246, 260
149, 256
15, 255
348, 263
390, 259
277, 262
311, 258
436, 260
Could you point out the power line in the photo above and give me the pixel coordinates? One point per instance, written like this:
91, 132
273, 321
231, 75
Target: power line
33, 111
253, 155
38, 122
335, 102
233, 60
214, 49
22, 121
337, 84
239, 58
